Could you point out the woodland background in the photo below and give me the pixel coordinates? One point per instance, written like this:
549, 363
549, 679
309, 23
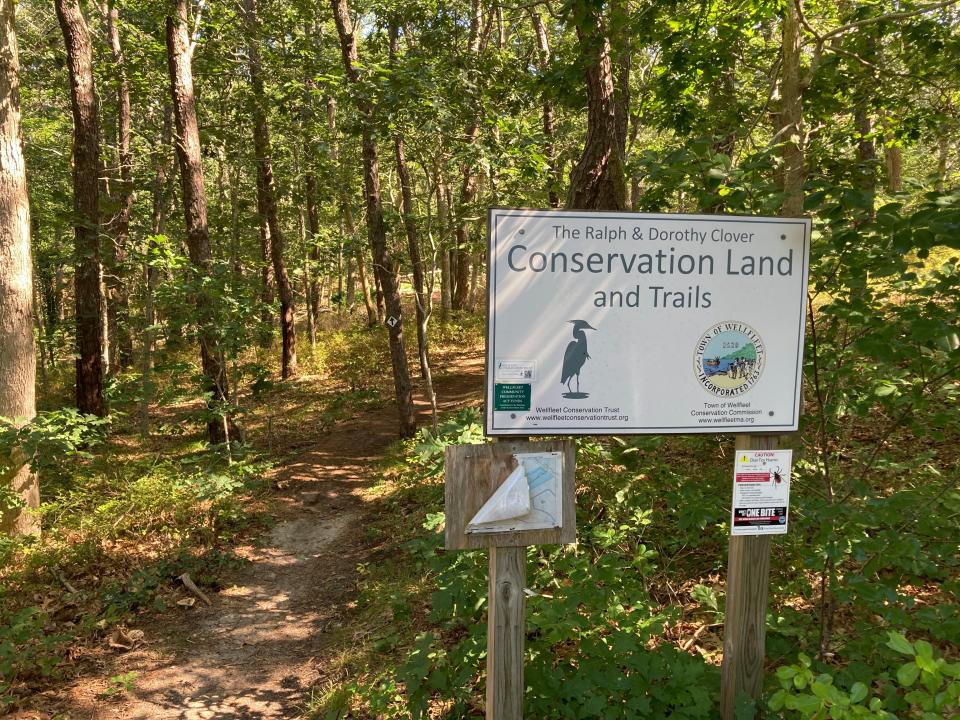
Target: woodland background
201, 202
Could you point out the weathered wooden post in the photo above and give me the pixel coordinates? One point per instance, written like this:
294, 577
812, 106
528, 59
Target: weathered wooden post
744, 631
477, 515
505, 632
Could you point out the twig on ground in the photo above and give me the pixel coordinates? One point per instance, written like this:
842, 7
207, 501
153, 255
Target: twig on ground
192, 587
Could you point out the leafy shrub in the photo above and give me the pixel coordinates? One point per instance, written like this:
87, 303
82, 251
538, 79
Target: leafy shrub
27, 650
926, 688
51, 442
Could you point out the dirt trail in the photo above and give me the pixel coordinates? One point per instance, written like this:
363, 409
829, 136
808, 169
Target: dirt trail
254, 653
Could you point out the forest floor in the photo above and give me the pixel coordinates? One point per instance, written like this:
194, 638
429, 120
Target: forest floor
259, 649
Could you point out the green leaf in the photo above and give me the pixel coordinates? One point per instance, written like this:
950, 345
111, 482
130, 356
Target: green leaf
907, 674
858, 692
924, 649
899, 643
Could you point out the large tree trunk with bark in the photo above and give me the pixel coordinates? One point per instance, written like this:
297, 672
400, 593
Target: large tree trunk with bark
179, 54
118, 294
18, 365
88, 274
375, 227
597, 182
267, 189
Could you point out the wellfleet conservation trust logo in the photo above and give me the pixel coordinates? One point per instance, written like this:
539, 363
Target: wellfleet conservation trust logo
729, 358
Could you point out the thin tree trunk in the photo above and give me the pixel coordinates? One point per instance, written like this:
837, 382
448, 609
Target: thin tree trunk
373, 310
597, 182
312, 263
118, 298
354, 252
446, 280
233, 179
791, 116
261, 142
943, 155
18, 365
413, 244
158, 219
267, 286
469, 182
313, 248
375, 226
180, 52
893, 156
474, 282
88, 274
309, 286
549, 148
351, 289
37, 315
416, 261
381, 303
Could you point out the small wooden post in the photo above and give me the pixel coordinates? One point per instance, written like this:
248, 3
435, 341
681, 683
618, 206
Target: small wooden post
473, 474
505, 633
744, 632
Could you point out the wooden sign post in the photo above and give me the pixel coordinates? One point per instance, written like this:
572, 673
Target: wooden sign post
744, 630
473, 474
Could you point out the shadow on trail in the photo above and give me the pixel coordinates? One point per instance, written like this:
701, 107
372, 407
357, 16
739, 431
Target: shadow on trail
265, 641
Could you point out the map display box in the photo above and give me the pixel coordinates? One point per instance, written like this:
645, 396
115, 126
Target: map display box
605, 323
509, 494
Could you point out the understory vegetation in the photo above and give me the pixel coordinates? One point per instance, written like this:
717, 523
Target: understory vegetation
864, 618
125, 516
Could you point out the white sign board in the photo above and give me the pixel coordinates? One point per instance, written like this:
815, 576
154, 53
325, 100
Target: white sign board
625, 323
761, 492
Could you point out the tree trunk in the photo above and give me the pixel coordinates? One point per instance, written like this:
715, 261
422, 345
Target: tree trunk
549, 148
893, 157
375, 227
468, 185
416, 261
261, 143
597, 182
313, 249
350, 231
413, 246
791, 116
158, 220
309, 285
179, 52
88, 274
943, 155
18, 365
443, 220
118, 297
267, 287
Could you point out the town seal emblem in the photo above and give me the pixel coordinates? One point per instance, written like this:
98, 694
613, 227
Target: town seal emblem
729, 358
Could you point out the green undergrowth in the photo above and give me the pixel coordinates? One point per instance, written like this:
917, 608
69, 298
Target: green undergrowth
121, 521
627, 623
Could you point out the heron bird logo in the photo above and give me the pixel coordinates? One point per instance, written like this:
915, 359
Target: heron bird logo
574, 358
